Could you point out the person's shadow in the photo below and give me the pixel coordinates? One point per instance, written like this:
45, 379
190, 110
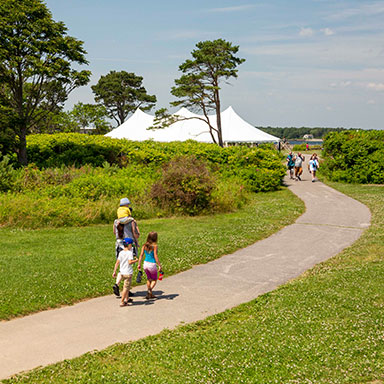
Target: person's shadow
139, 297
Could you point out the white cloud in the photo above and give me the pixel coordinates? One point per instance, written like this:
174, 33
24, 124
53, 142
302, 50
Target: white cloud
376, 86
328, 31
306, 32
371, 102
341, 84
346, 51
372, 9
237, 8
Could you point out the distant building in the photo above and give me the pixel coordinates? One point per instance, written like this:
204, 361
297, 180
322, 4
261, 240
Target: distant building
87, 130
308, 137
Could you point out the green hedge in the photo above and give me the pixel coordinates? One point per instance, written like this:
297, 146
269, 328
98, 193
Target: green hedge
77, 149
260, 168
354, 157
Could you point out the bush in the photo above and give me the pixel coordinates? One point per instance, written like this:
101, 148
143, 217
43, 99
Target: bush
7, 175
354, 157
186, 186
72, 149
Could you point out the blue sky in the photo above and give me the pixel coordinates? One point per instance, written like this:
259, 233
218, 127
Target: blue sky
308, 62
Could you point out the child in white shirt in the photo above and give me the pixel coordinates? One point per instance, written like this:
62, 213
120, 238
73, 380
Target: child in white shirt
125, 261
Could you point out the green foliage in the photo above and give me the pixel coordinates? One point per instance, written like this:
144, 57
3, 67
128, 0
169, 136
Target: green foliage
35, 64
55, 122
354, 157
7, 175
121, 93
8, 139
78, 179
186, 186
72, 149
260, 168
68, 196
90, 116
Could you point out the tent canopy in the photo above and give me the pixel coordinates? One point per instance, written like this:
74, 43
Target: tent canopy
234, 129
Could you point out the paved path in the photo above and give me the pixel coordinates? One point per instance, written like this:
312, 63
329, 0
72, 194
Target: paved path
332, 221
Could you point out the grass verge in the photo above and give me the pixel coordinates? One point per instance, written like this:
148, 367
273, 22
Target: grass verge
325, 327
46, 268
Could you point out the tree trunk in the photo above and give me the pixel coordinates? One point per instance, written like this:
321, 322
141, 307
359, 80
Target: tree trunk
22, 152
218, 121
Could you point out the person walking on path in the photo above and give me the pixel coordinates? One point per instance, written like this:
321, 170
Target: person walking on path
129, 229
299, 165
290, 164
125, 261
151, 261
313, 166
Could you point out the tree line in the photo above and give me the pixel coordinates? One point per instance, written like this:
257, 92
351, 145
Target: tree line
37, 60
297, 133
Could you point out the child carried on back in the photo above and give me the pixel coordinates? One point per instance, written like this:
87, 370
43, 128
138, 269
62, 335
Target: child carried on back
124, 226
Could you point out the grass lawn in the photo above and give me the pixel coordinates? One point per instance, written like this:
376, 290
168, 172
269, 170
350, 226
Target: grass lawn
325, 327
46, 268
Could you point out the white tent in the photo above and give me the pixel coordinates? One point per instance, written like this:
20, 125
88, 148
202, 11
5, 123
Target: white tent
237, 130
135, 128
234, 129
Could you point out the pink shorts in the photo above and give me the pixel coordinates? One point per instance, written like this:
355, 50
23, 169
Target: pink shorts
150, 270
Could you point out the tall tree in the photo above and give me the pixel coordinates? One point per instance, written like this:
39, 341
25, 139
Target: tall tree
122, 93
36, 55
199, 87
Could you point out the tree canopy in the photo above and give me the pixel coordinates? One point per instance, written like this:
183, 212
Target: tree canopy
199, 87
122, 93
90, 116
36, 57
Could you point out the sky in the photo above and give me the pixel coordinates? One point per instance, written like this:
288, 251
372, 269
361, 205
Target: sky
314, 63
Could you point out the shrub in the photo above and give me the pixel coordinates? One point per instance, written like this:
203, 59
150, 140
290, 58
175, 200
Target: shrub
261, 180
186, 186
7, 175
354, 157
72, 149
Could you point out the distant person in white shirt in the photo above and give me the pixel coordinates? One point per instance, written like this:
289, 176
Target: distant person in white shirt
313, 166
125, 261
299, 165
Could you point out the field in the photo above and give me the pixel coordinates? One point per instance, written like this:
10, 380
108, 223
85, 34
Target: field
47, 268
324, 327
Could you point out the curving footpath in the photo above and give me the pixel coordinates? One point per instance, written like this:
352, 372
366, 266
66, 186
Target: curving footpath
332, 222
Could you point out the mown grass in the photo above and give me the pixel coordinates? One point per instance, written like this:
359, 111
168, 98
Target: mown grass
46, 268
325, 327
